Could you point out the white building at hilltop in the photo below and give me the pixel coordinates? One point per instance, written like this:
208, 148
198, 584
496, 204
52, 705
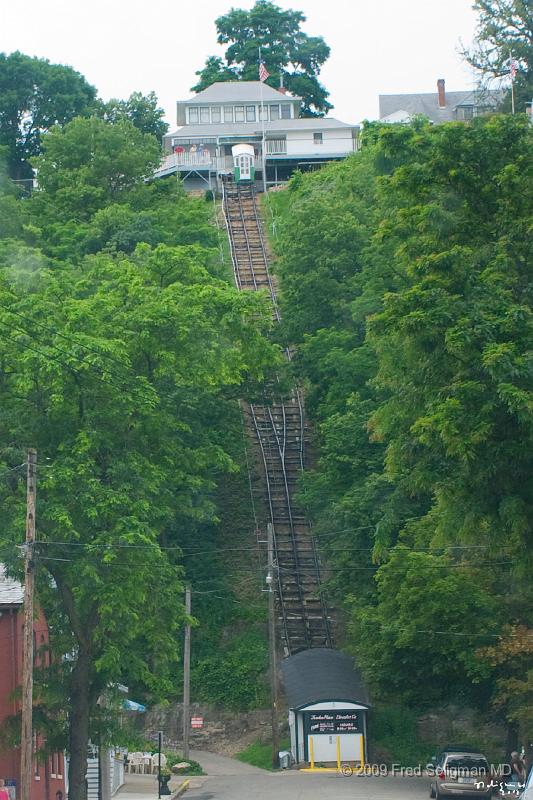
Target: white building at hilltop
241, 112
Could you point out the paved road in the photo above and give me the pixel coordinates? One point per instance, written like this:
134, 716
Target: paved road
230, 780
304, 786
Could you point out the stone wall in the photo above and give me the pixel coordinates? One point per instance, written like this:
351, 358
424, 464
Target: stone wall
223, 731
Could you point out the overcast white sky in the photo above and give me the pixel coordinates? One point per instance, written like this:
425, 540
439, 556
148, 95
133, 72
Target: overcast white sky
377, 46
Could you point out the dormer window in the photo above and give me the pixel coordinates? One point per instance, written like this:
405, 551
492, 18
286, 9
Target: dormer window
193, 116
465, 112
228, 113
250, 113
285, 111
239, 113
204, 115
215, 114
274, 112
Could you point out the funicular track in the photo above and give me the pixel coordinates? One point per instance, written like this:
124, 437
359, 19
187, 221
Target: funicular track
280, 433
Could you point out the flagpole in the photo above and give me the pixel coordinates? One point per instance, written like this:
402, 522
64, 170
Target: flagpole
511, 61
263, 130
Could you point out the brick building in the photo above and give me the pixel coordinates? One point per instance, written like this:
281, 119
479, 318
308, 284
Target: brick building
48, 773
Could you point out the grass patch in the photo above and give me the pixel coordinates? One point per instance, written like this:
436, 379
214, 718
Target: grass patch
259, 754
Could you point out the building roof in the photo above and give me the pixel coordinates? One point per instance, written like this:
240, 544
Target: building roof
11, 591
255, 128
240, 91
322, 674
427, 104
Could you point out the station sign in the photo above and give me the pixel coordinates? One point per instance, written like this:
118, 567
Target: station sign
334, 721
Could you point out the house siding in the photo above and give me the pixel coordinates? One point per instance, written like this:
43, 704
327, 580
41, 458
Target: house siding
334, 142
46, 783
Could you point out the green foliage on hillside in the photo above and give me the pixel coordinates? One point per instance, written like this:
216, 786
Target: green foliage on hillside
123, 350
406, 277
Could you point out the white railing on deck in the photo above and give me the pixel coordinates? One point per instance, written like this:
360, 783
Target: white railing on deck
191, 160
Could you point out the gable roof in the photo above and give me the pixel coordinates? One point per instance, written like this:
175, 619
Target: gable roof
240, 91
11, 591
319, 675
427, 104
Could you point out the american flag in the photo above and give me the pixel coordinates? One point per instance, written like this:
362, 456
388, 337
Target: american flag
513, 67
263, 72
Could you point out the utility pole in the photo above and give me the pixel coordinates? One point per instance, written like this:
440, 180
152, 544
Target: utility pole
26, 740
159, 748
272, 646
187, 675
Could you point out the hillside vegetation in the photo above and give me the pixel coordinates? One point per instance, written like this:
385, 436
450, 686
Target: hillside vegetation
124, 350
406, 284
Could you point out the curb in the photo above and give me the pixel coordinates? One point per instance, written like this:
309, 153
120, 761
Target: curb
181, 790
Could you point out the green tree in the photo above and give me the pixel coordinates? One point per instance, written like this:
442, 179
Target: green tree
505, 28
35, 95
287, 51
416, 360
117, 364
141, 110
110, 369
90, 163
214, 71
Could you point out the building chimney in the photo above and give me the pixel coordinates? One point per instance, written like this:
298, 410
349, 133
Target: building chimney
282, 89
442, 93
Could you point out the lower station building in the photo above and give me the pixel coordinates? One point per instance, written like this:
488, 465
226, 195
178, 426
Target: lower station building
328, 706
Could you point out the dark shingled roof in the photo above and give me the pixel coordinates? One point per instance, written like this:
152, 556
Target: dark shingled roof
319, 675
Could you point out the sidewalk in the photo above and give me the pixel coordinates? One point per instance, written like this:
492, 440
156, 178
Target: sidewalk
144, 787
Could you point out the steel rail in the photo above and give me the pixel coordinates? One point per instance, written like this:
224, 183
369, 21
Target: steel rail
273, 430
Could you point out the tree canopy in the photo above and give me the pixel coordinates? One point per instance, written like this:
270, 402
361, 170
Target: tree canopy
35, 95
141, 110
406, 281
289, 54
505, 33
123, 348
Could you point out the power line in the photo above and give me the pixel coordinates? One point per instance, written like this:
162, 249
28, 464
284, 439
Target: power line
345, 549
290, 570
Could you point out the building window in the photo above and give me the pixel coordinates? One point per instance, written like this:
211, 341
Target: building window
56, 770
263, 113
317, 138
465, 112
285, 111
193, 116
239, 113
215, 114
274, 112
36, 774
204, 115
228, 114
250, 113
